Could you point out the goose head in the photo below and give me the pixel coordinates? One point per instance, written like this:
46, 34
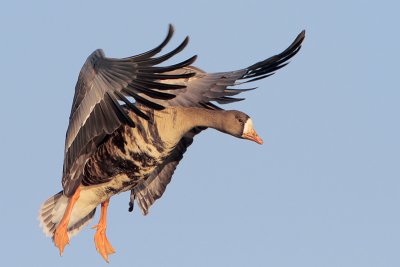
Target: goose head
240, 125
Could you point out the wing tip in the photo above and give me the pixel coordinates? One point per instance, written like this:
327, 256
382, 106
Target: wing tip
300, 37
171, 30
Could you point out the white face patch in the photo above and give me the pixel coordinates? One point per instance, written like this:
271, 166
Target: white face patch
248, 126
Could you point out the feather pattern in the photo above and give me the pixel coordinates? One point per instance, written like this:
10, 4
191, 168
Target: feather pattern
153, 188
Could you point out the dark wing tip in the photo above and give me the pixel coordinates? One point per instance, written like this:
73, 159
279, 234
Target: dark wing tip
192, 59
266, 67
171, 31
155, 50
300, 37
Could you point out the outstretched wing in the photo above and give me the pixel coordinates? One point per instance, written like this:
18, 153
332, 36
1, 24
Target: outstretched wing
201, 90
204, 88
102, 84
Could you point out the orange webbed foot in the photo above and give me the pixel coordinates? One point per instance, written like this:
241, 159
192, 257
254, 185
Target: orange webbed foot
103, 246
61, 238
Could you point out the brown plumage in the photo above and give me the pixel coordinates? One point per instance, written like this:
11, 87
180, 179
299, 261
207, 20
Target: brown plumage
112, 148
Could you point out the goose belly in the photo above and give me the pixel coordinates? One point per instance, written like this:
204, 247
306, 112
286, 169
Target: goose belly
122, 181
123, 162
97, 194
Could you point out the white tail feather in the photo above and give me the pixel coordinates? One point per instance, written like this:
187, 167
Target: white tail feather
52, 211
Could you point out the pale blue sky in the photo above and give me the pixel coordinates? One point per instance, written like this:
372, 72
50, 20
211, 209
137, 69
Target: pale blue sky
324, 188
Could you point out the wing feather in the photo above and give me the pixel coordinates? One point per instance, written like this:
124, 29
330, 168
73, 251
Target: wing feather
216, 87
153, 188
96, 111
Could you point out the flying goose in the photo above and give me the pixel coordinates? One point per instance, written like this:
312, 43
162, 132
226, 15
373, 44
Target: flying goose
131, 122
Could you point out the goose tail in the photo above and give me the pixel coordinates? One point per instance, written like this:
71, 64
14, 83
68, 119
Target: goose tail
52, 211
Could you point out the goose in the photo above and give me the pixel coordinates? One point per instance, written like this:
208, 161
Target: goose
131, 122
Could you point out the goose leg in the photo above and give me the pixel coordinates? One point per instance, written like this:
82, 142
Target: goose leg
60, 237
103, 246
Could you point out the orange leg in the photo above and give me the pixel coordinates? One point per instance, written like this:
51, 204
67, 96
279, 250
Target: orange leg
60, 237
103, 246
